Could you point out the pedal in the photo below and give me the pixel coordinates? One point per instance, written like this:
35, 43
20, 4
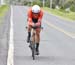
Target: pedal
36, 53
30, 47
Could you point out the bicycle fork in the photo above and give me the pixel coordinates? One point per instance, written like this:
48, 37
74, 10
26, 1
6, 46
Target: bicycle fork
33, 46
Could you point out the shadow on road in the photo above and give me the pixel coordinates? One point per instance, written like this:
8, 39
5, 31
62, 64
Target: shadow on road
45, 58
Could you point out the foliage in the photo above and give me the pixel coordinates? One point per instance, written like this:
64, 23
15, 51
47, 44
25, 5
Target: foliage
72, 8
38, 2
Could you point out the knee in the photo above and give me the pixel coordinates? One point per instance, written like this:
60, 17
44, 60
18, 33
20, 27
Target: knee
38, 33
29, 28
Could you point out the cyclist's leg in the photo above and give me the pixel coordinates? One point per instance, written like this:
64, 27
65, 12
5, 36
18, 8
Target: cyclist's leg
29, 33
37, 40
33, 37
32, 42
38, 35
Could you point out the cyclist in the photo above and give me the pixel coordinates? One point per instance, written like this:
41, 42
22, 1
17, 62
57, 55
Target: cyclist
35, 15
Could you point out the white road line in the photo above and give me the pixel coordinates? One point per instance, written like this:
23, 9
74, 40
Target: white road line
59, 29
11, 43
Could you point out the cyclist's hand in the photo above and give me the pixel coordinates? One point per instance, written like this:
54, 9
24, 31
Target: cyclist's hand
33, 24
38, 23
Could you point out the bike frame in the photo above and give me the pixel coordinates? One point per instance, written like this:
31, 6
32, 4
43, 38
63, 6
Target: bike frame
33, 42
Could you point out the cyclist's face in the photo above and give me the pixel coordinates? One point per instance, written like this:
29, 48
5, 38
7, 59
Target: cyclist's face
35, 14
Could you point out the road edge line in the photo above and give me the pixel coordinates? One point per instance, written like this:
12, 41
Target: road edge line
11, 45
59, 29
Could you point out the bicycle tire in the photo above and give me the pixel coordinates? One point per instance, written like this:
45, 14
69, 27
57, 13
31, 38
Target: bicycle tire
33, 51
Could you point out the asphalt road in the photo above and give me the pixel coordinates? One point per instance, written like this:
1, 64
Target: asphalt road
4, 38
57, 45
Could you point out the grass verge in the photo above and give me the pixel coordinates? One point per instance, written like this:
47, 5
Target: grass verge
3, 10
66, 15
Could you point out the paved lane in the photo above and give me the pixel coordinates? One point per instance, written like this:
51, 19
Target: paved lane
56, 48
4, 38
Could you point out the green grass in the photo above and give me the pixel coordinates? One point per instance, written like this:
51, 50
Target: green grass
3, 10
66, 15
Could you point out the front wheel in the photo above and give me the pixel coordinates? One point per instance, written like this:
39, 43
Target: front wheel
33, 51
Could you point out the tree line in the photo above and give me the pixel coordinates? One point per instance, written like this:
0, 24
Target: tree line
62, 4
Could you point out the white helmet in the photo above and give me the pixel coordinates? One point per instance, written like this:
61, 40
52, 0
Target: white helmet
35, 9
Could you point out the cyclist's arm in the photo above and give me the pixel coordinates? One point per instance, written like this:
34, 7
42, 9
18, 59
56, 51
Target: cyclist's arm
29, 17
40, 18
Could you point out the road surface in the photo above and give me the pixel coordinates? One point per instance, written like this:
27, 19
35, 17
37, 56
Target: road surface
57, 45
4, 38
